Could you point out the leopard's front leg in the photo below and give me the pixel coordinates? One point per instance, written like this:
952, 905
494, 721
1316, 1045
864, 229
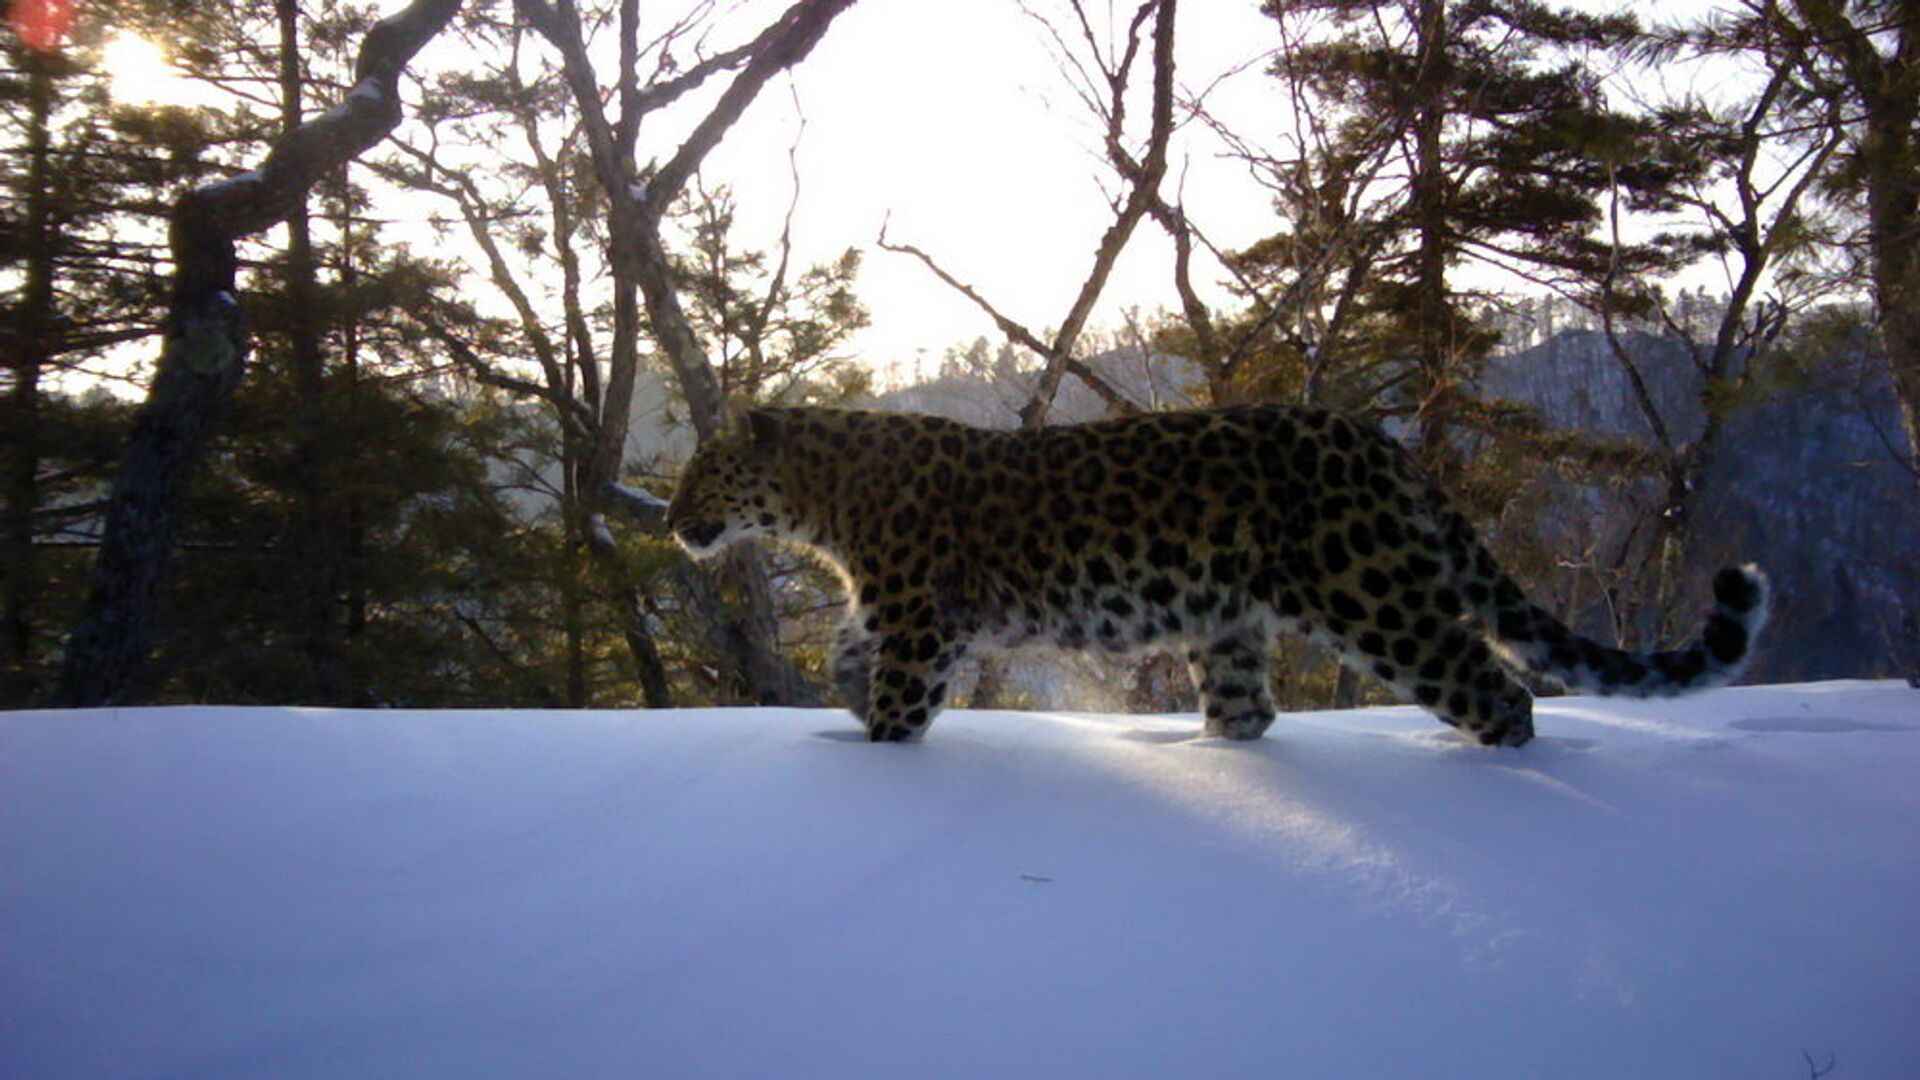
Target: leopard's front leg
912, 659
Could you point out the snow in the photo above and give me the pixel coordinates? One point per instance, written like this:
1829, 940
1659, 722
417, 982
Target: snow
638, 497
602, 535
1712, 887
222, 187
367, 93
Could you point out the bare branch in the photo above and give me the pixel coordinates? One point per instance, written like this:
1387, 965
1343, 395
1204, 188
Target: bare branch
456, 185
1017, 333
1013, 329
779, 47
1143, 181
661, 94
757, 319
576, 415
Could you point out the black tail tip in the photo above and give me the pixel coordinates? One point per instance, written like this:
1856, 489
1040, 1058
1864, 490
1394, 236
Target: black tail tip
1740, 590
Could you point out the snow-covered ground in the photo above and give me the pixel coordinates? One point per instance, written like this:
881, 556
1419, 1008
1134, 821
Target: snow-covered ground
1719, 887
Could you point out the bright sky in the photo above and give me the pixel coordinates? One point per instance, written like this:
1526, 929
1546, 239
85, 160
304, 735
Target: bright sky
954, 123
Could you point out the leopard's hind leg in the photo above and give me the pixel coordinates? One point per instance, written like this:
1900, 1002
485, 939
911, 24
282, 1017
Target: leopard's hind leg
1448, 670
1231, 675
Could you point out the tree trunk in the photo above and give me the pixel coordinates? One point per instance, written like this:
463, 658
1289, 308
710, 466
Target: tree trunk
573, 572
1433, 322
648, 667
312, 546
771, 677
351, 536
1900, 332
1881, 67
1346, 686
990, 687
1891, 156
33, 322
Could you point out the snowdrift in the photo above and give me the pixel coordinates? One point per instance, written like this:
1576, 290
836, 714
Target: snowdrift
1723, 886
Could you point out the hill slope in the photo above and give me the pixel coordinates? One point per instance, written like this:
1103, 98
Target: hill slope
1698, 889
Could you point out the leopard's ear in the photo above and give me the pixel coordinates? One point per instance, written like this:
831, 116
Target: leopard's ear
763, 428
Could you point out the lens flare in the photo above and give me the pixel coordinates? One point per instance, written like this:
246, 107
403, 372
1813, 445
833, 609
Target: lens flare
41, 24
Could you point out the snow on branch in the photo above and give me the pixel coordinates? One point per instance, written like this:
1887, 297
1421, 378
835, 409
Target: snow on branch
257, 199
640, 508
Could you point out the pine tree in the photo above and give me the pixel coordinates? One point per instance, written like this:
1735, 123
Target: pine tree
206, 349
1439, 135
87, 178
1864, 56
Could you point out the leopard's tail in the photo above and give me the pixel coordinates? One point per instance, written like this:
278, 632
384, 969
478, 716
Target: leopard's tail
1542, 644
1533, 639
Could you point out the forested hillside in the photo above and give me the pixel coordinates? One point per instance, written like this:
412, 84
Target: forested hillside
1802, 483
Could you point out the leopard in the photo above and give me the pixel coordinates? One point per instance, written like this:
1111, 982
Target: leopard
1208, 531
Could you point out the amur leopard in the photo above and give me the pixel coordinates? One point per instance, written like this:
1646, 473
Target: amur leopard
1205, 530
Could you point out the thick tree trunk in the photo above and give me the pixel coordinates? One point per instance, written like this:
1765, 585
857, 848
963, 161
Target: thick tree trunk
1891, 155
1346, 686
643, 281
749, 640
350, 536
1881, 66
648, 667
1901, 337
990, 688
574, 571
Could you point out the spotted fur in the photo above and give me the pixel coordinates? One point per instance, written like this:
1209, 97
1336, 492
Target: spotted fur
1204, 530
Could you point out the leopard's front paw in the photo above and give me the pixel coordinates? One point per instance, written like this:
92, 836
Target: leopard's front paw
890, 732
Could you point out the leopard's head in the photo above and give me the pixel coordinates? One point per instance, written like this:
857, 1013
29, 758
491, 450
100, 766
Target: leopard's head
730, 489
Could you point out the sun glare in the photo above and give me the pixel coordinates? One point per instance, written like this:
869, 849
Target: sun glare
140, 72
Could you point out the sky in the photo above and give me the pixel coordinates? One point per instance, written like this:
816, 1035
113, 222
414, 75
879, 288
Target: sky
954, 125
